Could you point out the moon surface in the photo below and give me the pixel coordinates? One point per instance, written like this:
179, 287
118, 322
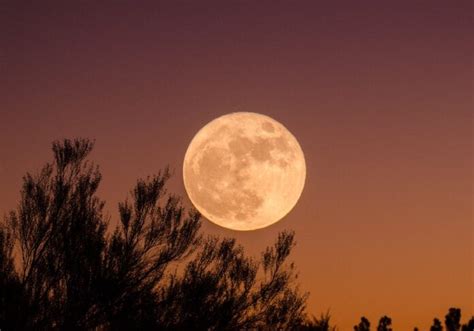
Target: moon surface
244, 171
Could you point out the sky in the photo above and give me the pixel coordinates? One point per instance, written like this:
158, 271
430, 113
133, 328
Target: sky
378, 94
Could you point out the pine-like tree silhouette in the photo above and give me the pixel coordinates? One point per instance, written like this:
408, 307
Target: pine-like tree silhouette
154, 271
364, 325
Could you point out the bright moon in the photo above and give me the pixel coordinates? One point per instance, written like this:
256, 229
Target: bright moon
244, 171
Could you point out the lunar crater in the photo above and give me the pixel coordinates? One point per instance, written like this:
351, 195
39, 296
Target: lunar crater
267, 126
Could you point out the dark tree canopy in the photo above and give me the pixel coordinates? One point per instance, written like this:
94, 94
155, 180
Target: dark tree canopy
437, 326
453, 319
452, 322
385, 324
154, 271
10, 287
59, 230
364, 325
469, 326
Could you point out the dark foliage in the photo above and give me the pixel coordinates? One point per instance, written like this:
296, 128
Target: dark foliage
452, 322
385, 324
469, 326
11, 296
453, 319
364, 325
436, 325
323, 323
60, 233
154, 271
225, 282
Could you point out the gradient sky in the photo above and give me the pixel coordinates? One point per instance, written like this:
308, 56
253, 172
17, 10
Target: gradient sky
378, 93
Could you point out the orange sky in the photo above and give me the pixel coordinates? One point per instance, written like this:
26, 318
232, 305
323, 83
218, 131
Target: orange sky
378, 94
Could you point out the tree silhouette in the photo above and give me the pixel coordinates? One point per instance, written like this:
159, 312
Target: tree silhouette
452, 322
154, 271
364, 325
226, 282
469, 326
152, 235
59, 229
436, 325
384, 324
453, 319
10, 290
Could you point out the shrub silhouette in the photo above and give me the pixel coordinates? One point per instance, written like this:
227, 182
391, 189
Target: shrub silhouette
154, 271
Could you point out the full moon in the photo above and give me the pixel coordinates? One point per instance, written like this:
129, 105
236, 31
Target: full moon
244, 171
